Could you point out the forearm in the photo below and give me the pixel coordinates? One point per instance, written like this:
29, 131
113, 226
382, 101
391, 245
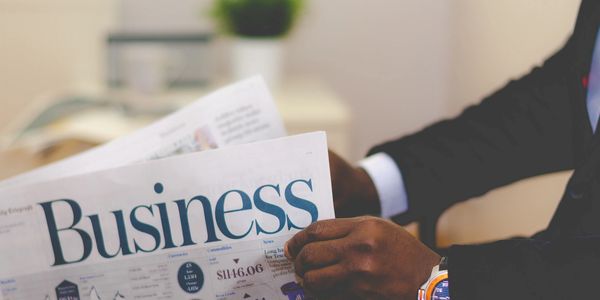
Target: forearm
523, 130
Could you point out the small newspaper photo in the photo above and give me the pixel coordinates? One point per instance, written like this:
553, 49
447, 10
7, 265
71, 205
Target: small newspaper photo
152, 216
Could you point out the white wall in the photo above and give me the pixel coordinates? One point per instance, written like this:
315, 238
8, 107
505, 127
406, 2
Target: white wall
49, 46
389, 59
493, 41
401, 64
164, 15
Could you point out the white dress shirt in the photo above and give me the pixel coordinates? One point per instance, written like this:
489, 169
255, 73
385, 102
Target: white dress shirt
389, 184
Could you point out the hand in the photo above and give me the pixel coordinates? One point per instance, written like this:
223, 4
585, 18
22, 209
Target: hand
354, 193
360, 258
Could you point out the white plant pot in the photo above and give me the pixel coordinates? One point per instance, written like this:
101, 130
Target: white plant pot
258, 57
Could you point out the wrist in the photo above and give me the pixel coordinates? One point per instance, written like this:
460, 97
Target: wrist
386, 178
367, 192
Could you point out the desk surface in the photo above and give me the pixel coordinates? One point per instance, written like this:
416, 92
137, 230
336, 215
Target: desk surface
16, 161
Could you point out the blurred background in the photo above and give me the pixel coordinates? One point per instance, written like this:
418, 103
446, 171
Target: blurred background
364, 71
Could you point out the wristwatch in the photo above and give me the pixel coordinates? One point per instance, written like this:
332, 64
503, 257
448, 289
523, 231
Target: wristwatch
436, 288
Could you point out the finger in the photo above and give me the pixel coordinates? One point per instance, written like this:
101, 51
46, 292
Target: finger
318, 255
319, 231
337, 167
325, 282
334, 163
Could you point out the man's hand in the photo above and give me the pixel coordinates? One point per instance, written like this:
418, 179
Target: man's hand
360, 258
354, 193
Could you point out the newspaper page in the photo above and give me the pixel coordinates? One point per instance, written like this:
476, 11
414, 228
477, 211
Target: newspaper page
207, 225
241, 113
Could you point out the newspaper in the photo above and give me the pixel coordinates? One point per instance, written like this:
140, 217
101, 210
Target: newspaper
241, 113
207, 225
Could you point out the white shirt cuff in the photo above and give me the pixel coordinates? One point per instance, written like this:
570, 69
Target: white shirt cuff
389, 184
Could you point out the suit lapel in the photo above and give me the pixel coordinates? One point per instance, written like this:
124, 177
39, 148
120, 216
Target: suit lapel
584, 40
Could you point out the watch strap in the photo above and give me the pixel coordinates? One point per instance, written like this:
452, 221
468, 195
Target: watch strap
444, 264
439, 273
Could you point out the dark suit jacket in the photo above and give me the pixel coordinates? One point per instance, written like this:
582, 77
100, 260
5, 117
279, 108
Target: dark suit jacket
535, 125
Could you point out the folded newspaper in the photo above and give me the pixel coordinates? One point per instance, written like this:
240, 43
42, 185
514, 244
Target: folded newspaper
207, 225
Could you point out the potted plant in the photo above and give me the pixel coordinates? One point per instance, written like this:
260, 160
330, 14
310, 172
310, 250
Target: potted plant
258, 27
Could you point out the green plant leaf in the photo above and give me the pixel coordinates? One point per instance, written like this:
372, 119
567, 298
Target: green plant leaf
257, 18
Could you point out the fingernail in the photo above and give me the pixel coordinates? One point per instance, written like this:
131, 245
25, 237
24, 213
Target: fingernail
300, 281
286, 251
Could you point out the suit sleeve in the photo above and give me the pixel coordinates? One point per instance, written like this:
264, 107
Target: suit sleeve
522, 130
526, 269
